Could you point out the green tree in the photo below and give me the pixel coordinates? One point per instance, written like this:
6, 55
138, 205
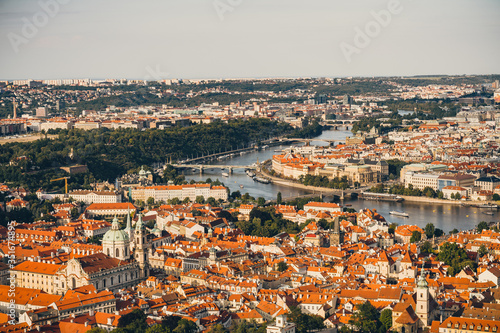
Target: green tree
365, 319
282, 266
304, 322
496, 197
483, 250
185, 326
429, 230
386, 318
261, 201
157, 329
416, 236
200, 199
219, 328
174, 201
438, 232
426, 248
171, 322
482, 226
456, 257
133, 321
150, 201
279, 199
211, 201
97, 330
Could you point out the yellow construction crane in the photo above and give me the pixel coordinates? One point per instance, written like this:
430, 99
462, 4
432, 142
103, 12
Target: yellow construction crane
65, 182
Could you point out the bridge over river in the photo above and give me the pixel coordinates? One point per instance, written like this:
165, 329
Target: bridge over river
229, 168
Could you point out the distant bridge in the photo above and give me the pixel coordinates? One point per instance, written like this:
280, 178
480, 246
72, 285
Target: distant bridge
309, 140
201, 167
342, 194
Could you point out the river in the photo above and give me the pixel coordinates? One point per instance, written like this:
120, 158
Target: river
445, 217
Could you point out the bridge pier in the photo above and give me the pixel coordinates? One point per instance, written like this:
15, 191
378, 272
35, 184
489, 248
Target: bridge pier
201, 169
230, 170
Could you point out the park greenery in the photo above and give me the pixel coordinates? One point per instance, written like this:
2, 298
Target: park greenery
265, 222
367, 319
135, 322
400, 189
456, 257
323, 181
304, 322
38, 210
111, 153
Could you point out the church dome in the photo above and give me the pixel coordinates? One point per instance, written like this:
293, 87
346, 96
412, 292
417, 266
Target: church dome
115, 234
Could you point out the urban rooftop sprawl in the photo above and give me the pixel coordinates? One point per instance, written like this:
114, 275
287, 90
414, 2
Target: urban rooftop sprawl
100, 231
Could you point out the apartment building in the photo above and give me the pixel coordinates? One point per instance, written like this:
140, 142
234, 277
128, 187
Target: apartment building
89, 197
120, 209
167, 192
458, 179
487, 183
421, 180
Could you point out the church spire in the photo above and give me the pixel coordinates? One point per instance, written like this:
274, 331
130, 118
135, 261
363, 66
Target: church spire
422, 282
115, 225
129, 226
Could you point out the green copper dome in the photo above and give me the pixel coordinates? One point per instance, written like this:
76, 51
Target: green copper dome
115, 234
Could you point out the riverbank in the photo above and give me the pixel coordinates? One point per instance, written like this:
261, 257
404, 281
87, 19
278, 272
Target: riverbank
325, 190
290, 183
442, 201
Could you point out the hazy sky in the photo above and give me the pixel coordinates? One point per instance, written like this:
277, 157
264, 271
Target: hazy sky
159, 39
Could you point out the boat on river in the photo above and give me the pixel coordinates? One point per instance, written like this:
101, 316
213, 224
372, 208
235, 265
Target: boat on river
262, 180
397, 213
380, 196
225, 174
250, 173
492, 206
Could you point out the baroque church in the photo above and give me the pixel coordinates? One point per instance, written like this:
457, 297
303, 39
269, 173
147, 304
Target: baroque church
123, 263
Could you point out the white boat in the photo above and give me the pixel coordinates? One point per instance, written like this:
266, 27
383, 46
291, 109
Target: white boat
488, 205
401, 214
250, 174
225, 174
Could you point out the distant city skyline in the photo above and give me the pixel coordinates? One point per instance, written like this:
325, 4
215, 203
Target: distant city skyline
217, 39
